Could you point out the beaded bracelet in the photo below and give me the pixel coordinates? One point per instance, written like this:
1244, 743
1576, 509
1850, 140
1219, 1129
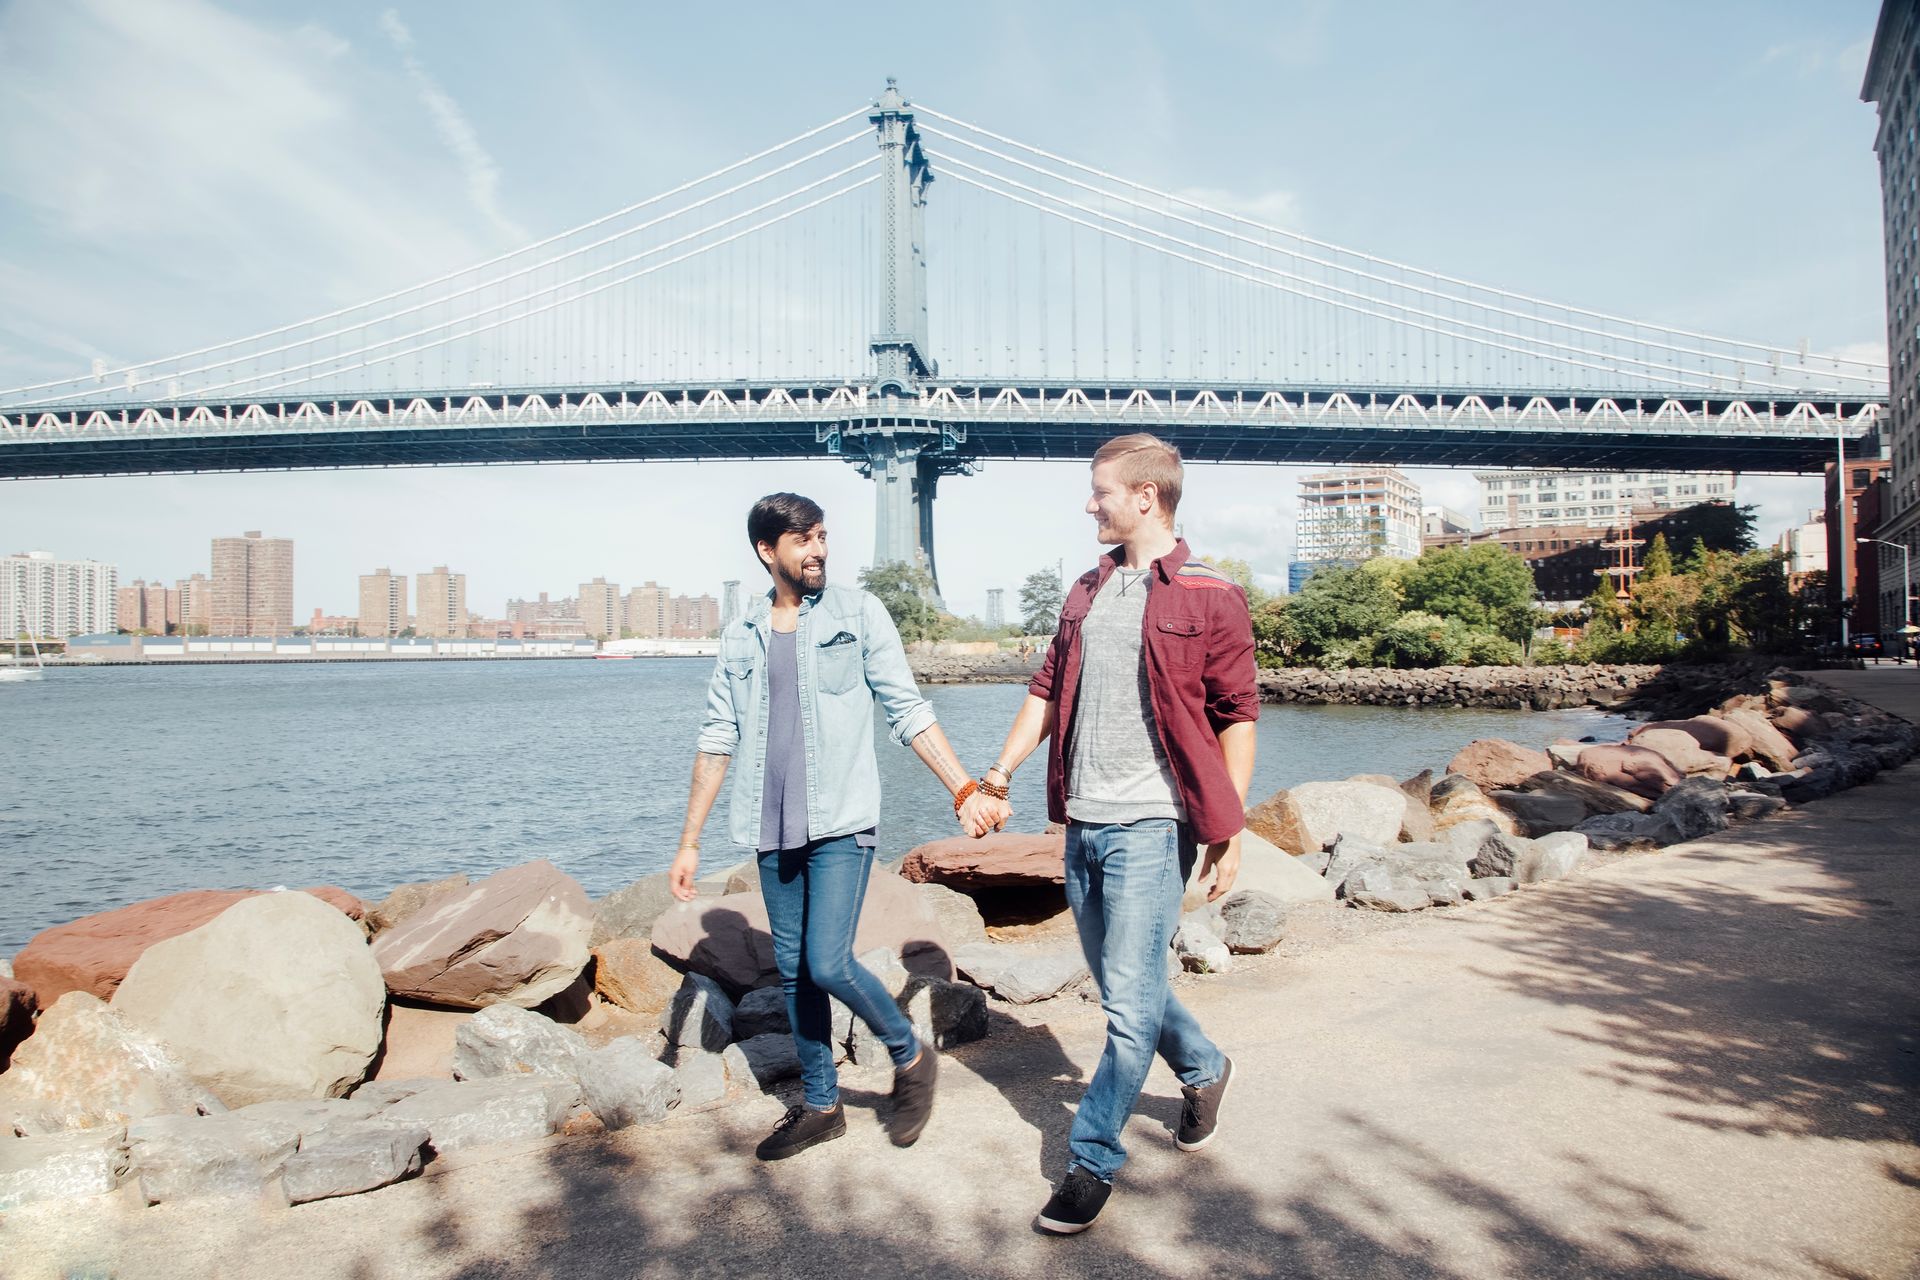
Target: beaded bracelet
960, 796
992, 789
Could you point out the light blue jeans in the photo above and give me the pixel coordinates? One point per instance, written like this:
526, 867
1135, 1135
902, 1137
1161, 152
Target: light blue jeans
1124, 883
813, 897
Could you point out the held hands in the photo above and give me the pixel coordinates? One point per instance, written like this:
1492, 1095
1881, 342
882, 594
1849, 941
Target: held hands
686, 864
981, 813
1223, 860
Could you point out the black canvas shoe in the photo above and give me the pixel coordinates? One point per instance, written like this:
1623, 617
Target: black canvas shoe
1076, 1202
1201, 1116
913, 1096
800, 1128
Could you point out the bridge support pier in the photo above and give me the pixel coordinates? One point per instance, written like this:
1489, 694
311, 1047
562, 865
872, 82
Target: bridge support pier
905, 463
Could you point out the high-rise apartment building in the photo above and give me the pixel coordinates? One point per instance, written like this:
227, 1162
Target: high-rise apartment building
1531, 499
383, 603
1441, 522
694, 617
53, 599
647, 611
996, 607
601, 611
150, 607
440, 604
252, 585
1893, 85
196, 605
1351, 515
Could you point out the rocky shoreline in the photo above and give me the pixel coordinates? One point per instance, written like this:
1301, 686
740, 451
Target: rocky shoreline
305, 1045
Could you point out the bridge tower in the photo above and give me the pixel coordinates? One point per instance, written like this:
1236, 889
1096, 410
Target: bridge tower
900, 449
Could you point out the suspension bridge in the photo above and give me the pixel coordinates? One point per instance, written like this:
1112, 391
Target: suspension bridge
783, 306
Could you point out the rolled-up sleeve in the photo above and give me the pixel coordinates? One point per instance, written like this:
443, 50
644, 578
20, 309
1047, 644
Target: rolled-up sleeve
1041, 686
1231, 679
720, 730
908, 714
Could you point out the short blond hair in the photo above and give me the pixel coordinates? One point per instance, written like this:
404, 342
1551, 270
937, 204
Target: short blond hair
1144, 459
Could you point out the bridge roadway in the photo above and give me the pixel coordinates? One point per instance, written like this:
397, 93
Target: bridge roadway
955, 424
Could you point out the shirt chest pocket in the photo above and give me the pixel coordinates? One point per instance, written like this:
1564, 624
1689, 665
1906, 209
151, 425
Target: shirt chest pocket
1180, 642
837, 665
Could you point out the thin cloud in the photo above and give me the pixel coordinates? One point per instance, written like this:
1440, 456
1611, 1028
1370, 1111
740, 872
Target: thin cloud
483, 175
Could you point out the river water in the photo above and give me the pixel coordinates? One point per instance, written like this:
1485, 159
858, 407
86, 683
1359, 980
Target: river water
130, 782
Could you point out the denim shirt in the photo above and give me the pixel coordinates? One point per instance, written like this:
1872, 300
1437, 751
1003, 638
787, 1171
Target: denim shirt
849, 657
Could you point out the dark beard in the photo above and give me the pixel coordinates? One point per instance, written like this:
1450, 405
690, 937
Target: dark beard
798, 585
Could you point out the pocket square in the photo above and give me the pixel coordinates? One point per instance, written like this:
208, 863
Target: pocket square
844, 637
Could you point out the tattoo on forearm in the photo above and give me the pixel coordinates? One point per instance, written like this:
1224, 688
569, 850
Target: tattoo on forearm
707, 766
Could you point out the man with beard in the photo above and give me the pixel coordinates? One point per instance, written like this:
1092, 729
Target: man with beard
1149, 698
793, 695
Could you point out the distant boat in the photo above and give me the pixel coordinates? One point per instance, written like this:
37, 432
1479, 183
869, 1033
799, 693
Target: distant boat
17, 671
623, 657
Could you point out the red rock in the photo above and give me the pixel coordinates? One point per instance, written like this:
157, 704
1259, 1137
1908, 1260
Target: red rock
516, 937
1766, 743
93, 953
729, 940
1494, 764
1715, 734
627, 972
1000, 859
1279, 822
17, 1007
1684, 751
1641, 770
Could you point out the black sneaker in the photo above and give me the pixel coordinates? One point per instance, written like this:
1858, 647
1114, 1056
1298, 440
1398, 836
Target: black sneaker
913, 1096
1201, 1116
1076, 1202
800, 1128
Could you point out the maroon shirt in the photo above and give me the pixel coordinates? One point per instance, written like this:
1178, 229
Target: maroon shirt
1198, 647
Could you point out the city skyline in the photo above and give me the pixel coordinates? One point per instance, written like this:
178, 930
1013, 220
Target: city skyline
409, 162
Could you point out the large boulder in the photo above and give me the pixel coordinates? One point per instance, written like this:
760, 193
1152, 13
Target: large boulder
87, 1065
92, 954
762, 1011
630, 912
627, 972
1539, 812
1383, 886
472, 1113
958, 915
506, 1040
1553, 856
188, 1157
1595, 797
1265, 869
1629, 831
1494, 764
1683, 751
18, 1004
1696, 807
1630, 767
945, 1014
61, 1166
729, 940
1278, 821
349, 1158
1021, 974
1715, 734
623, 1084
996, 860
699, 1015
1252, 921
1364, 809
771, 1058
276, 997
1765, 742
516, 937
408, 899
1456, 799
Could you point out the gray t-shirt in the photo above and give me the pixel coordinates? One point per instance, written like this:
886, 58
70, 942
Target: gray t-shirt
783, 799
1117, 771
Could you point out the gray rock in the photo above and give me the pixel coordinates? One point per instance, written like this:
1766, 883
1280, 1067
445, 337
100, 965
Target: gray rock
1748, 805
699, 1014
1812, 784
1319, 860
310, 1115
630, 912
1463, 839
87, 1065
945, 1014
473, 1113
1350, 852
1553, 856
506, 1040
1251, 922
61, 1166
1696, 807
1487, 887
1021, 974
409, 899
1629, 831
762, 1011
884, 964
346, 1159
1385, 887
384, 1093
1499, 855
1446, 891
701, 1078
186, 1157
1364, 809
771, 1058
960, 919
1198, 947
623, 1084
1539, 812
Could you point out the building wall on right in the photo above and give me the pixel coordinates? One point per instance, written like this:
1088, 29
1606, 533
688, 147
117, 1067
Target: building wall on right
1893, 85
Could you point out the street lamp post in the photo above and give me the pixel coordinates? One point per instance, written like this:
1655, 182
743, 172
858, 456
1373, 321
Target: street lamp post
1840, 513
1906, 585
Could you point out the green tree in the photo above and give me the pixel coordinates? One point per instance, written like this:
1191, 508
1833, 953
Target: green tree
1485, 586
1275, 638
1242, 573
907, 592
1659, 559
1337, 610
1041, 596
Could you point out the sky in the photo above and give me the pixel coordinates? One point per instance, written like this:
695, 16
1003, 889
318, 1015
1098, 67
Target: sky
176, 172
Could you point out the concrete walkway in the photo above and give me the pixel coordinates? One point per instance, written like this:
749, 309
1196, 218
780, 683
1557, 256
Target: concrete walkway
1700, 1062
